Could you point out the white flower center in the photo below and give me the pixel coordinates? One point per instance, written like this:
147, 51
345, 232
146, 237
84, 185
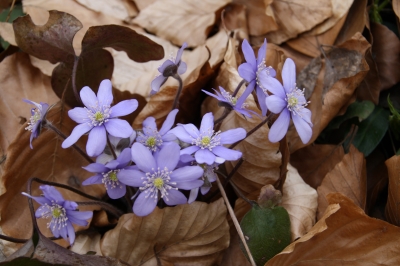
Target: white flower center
34, 119
229, 98
57, 214
158, 181
153, 142
208, 140
110, 179
98, 115
296, 101
260, 68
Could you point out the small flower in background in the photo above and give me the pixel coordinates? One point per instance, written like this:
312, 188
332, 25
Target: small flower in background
109, 174
35, 122
118, 145
208, 177
234, 103
99, 117
62, 213
169, 68
157, 176
206, 143
253, 69
153, 139
289, 101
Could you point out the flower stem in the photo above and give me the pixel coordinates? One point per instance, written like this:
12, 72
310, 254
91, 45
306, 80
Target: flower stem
111, 148
238, 87
105, 206
13, 239
217, 122
234, 170
74, 70
176, 101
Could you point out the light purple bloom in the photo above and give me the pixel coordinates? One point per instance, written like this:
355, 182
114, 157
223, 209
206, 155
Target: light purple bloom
208, 177
62, 213
157, 176
109, 174
169, 68
289, 101
234, 103
252, 70
99, 117
37, 116
153, 139
206, 143
118, 145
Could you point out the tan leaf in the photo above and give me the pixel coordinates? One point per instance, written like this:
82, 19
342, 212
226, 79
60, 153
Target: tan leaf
392, 210
355, 21
142, 4
180, 21
7, 33
344, 236
396, 7
349, 177
234, 19
120, 9
303, 17
87, 242
190, 234
314, 161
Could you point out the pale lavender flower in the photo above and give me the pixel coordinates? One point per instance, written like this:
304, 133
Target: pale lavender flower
252, 70
170, 68
208, 177
157, 176
62, 212
35, 122
118, 145
109, 174
206, 143
229, 101
153, 139
99, 117
289, 101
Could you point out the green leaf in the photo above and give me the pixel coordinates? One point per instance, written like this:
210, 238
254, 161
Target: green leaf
360, 110
371, 131
267, 232
394, 120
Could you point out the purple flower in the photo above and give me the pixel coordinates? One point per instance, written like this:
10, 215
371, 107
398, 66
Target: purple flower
252, 70
207, 144
289, 101
35, 122
109, 174
62, 213
170, 67
153, 139
118, 145
99, 117
208, 177
156, 177
234, 103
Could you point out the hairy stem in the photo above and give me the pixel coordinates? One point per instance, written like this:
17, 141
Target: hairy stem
13, 239
74, 70
176, 101
238, 87
111, 148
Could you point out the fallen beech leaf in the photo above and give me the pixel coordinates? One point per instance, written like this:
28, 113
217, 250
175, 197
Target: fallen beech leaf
303, 17
392, 210
120, 9
349, 177
180, 21
171, 235
19, 80
87, 242
7, 33
234, 19
313, 162
355, 22
345, 235
142, 4
396, 7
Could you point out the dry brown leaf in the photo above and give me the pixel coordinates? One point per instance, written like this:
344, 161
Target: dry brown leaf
355, 21
120, 9
20, 80
392, 210
87, 242
234, 19
314, 161
349, 177
142, 4
7, 33
396, 7
180, 21
190, 234
303, 17
344, 236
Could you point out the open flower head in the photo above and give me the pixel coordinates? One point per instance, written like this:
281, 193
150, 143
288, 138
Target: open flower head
207, 145
35, 121
157, 176
99, 117
109, 174
153, 138
208, 177
289, 101
170, 68
253, 70
62, 213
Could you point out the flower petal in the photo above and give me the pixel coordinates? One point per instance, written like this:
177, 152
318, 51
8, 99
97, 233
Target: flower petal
303, 128
262, 52
78, 131
164, 65
247, 72
227, 154
149, 126
79, 218
157, 83
96, 179
249, 54
131, 178
180, 52
207, 124
79, 115
182, 68
144, 204
279, 128
175, 197
52, 193
117, 192
181, 133
275, 104
261, 96
168, 156
186, 173
232, 135
204, 156
190, 150
273, 85
104, 95
188, 185
40, 200
96, 168
118, 128
169, 122
124, 108
71, 233
88, 97
143, 158
193, 195
125, 157
97, 141
289, 75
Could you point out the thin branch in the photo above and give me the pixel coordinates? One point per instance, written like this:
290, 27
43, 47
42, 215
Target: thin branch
11, 9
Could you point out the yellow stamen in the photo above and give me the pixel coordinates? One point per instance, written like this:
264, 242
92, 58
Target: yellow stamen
158, 182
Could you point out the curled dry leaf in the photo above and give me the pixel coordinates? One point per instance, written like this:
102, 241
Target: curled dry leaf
392, 210
234, 19
349, 177
120, 9
87, 242
190, 234
180, 21
346, 236
7, 33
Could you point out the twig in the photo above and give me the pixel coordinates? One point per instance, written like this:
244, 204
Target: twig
11, 9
